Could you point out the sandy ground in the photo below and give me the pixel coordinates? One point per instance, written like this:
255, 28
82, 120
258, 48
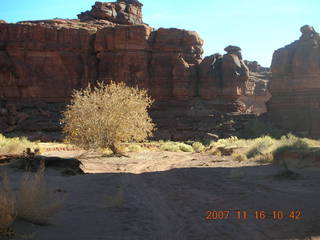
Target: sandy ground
161, 195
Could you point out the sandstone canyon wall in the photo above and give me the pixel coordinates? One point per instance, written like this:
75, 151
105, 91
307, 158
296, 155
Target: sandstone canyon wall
43, 61
295, 85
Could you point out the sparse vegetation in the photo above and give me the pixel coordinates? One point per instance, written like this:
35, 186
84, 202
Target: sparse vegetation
260, 146
35, 203
134, 148
31, 202
267, 149
239, 157
230, 142
106, 115
170, 147
198, 146
185, 147
15, 145
176, 147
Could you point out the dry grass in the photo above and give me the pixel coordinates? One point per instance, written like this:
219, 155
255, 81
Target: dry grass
198, 147
35, 203
16, 145
239, 157
7, 204
270, 150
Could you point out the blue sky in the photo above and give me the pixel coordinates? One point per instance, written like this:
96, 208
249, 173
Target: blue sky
258, 27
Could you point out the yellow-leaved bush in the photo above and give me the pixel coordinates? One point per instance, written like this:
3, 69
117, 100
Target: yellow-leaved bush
105, 115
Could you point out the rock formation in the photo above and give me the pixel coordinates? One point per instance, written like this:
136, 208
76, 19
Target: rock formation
295, 85
223, 78
44, 61
2, 21
254, 66
121, 12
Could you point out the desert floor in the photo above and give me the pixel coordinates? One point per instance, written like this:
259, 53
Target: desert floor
165, 195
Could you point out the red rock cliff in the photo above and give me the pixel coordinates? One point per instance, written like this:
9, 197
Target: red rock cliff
45, 60
295, 84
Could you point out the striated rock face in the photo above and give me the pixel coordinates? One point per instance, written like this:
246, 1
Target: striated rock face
37, 62
295, 85
43, 62
121, 12
162, 61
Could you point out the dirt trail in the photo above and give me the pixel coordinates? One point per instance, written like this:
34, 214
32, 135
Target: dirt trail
161, 195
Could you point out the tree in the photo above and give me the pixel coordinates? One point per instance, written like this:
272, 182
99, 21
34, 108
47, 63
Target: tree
106, 115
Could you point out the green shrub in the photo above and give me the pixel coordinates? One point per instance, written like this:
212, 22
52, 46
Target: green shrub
107, 115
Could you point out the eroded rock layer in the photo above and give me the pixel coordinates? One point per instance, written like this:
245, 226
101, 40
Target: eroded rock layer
295, 85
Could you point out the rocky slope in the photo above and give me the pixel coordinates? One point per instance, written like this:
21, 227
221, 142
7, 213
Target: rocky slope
295, 85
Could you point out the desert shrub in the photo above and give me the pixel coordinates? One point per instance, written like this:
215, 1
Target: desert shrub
134, 148
35, 203
302, 148
106, 115
264, 158
260, 146
7, 204
229, 142
185, 147
170, 147
198, 146
15, 145
239, 157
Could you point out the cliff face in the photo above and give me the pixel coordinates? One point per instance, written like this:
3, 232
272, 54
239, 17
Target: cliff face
295, 84
44, 61
162, 61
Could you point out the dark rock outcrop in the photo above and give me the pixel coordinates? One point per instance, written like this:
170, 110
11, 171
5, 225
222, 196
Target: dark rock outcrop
295, 84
